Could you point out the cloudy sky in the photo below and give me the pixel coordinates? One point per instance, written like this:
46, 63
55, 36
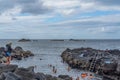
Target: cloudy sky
60, 19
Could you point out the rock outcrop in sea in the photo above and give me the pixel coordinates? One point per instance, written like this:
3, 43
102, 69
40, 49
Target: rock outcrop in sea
17, 53
24, 40
102, 62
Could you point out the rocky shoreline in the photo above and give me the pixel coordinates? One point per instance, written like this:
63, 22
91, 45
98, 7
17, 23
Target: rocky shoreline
102, 62
18, 53
13, 72
106, 63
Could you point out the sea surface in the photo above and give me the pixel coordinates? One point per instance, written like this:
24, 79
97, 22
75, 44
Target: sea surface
50, 51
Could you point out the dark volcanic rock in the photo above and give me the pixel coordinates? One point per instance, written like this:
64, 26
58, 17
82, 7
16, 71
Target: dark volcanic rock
40, 76
49, 77
2, 49
11, 76
25, 74
65, 77
98, 61
18, 53
18, 48
118, 67
7, 68
24, 40
114, 52
12, 72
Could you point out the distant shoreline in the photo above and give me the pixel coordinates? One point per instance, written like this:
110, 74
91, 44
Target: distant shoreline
62, 39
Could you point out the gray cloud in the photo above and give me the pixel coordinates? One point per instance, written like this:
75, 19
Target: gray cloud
26, 1
92, 26
32, 6
87, 24
5, 5
105, 2
36, 8
108, 2
27, 6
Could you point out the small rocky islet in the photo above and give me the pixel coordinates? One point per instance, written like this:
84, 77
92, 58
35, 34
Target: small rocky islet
24, 40
101, 62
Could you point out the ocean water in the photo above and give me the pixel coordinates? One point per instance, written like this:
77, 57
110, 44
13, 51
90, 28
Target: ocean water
50, 51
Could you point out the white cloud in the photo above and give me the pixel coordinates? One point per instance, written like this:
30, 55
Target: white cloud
5, 19
104, 18
12, 12
68, 7
64, 7
30, 17
104, 30
61, 3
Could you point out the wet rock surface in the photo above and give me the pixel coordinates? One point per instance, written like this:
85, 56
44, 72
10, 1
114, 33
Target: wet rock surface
17, 53
65, 77
102, 62
13, 72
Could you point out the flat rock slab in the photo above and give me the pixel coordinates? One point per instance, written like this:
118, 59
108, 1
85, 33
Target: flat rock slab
7, 68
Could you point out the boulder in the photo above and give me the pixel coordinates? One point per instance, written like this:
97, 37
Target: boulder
2, 49
64, 77
7, 68
118, 67
19, 57
18, 48
114, 52
2, 76
18, 53
48, 77
3, 59
31, 69
25, 73
11, 76
12, 72
40, 76
28, 53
